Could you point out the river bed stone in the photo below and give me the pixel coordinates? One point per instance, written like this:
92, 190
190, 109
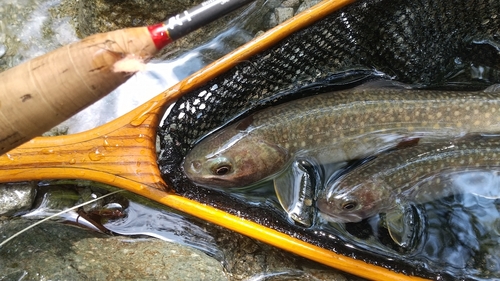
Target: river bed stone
53, 251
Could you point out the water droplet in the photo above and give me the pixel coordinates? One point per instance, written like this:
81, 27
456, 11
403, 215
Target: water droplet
72, 161
139, 120
47, 151
96, 154
140, 138
9, 156
108, 146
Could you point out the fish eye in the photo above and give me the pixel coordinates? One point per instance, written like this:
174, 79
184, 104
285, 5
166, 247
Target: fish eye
222, 169
349, 205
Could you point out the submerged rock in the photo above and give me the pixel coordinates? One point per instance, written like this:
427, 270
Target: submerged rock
53, 251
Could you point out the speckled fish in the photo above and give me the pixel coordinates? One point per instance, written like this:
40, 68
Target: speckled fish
335, 127
419, 174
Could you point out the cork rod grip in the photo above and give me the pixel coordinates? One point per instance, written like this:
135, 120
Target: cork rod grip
39, 94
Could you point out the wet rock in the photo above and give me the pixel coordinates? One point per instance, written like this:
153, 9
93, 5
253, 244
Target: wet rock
249, 259
306, 4
282, 14
291, 3
54, 251
96, 16
32, 28
16, 197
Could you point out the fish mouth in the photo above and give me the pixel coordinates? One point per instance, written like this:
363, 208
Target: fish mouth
208, 181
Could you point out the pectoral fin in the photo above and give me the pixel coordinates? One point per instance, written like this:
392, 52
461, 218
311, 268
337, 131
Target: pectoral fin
402, 225
295, 191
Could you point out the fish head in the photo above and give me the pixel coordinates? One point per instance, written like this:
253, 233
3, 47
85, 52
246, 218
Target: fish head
233, 159
343, 203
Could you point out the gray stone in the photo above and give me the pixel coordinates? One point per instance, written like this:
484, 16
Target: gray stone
62, 252
95, 16
31, 28
16, 197
248, 259
282, 14
291, 3
306, 4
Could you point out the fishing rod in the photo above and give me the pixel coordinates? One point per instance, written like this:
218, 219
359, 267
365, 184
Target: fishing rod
41, 93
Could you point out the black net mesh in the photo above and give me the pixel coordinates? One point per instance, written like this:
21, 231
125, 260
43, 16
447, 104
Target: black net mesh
427, 43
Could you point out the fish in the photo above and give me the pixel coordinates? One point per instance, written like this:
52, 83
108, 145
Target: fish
335, 127
418, 174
